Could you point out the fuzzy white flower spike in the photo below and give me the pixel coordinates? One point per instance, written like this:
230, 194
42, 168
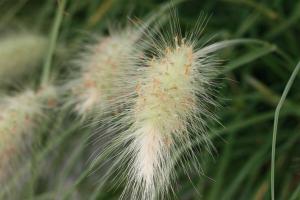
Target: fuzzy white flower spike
104, 68
172, 105
20, 118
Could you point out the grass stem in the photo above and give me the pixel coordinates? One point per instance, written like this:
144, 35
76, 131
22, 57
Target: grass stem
276, 117
52, 42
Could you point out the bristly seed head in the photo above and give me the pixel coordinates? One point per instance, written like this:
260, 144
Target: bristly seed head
170, 108
165, 105
104, 71
17, 121
19, 118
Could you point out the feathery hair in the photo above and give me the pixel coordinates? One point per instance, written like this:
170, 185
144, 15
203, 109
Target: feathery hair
104, 66
19, 119
172, 104
17, 122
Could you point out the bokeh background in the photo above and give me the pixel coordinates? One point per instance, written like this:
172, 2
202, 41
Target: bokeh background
254, 79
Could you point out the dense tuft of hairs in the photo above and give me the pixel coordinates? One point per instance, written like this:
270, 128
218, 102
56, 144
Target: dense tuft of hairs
20, 54
19, 120
104, 68
171, 106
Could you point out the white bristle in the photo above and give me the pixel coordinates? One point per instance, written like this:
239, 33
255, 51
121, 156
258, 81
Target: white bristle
169, 107
103, 68
20, 117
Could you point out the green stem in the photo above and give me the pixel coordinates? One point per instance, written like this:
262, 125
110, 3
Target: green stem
276, 117
52, 42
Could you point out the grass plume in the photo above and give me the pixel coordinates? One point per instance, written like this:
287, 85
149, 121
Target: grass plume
20, 118
171, 105
104, 67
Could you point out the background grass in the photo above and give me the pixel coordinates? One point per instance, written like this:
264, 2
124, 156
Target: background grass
255, 76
